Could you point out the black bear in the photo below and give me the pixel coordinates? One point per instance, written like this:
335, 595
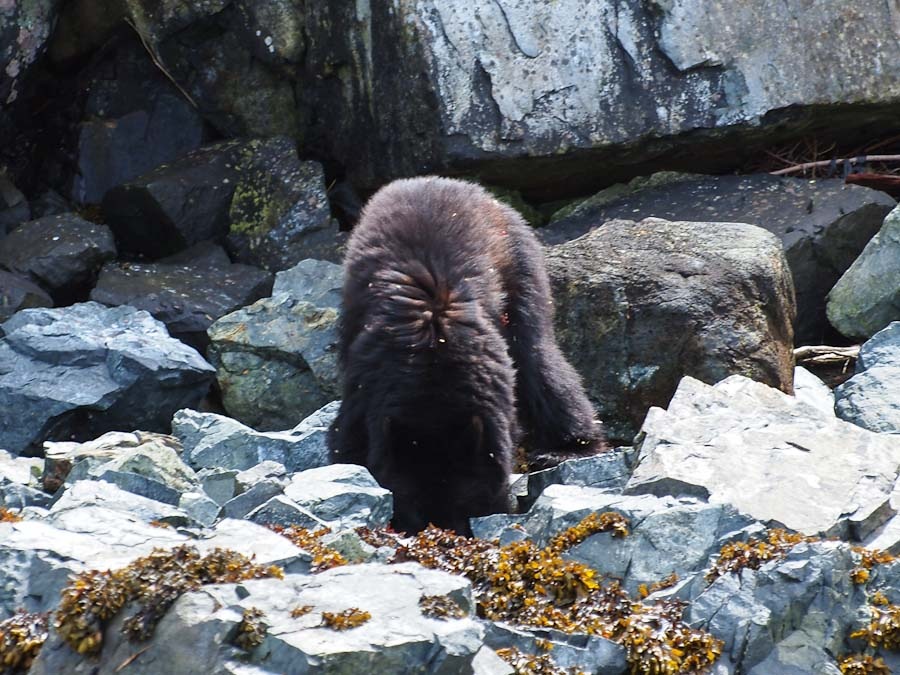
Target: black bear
447, 347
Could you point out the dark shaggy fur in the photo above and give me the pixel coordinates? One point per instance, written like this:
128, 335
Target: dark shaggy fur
447, 346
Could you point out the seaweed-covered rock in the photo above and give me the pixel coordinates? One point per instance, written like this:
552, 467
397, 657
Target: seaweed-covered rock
17, 292
823, 224
61, 253
80, 371
276, 360
187, 298
639, 305
867, 297
871, 398
666, 535
279, 212
392, 635
770, 456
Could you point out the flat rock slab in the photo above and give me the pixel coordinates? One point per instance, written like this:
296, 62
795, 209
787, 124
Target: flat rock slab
823, 224
397, 638
641, 304
769, 456
867, 297
187, 298
80, 371
61, 253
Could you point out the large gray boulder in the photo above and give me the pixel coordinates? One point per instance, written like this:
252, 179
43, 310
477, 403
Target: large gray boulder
482, 81
871, 398
823, 224
80, 371
770, 456
276, 360
639, 305
867, 297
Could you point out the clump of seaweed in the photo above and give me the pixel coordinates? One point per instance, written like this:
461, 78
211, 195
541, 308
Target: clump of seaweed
153, 582
440, 607
301, 610
523, 584
869, 558
349, 618
859, 664
884, 628
531, 664
21, 637
324, 558
7, 516
754, 553
251, 631
609, 521
668, 582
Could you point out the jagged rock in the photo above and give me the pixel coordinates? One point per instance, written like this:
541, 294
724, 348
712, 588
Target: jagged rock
154, 456
214, 441
266, 469
258, 493
583, 653
397, 638
132, 120
17, 293
80, 371
279, 510
770, 456
639, 305
608, 471
187, 298
812, 391
25, 28
867, 297
823, 224
871, 398
276, 360
200, 508
73, 506
666, 534
317, 281
343, 495
780, 618
175, 205
14, 208
61, 253
20, 483
279, 213
220, 485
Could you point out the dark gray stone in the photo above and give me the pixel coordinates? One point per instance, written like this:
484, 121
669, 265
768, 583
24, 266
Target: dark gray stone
17, 293
25, 28
14, 208
187, 298
317, 281
640, 305
175, 205
823, 224
87, 369
279, 213
607, 471
245, 502
61, 253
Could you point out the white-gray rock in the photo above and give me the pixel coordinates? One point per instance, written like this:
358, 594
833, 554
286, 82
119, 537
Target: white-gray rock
812, 391
769, 456
343, 495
